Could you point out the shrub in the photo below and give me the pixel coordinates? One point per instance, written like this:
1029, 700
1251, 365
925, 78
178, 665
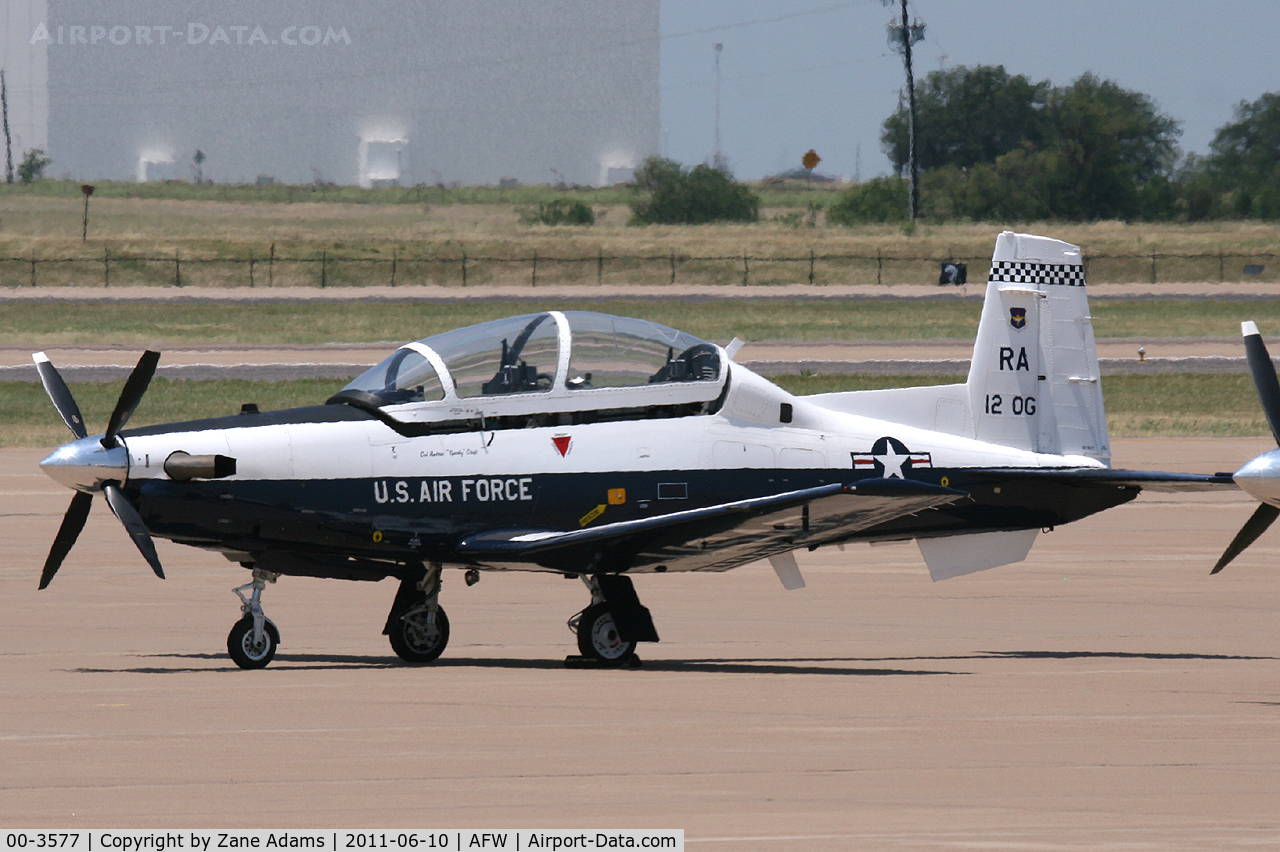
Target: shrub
33, 165
562, 211
699, 195
882, 199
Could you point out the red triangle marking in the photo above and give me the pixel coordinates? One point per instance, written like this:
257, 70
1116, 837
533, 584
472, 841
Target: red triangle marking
562, 443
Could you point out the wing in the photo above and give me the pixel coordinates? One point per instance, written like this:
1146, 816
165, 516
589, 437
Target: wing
713, 538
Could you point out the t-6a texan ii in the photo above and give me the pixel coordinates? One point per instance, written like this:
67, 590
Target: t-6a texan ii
599, 447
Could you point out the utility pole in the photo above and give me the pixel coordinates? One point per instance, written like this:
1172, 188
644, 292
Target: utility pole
8, 141
716, 159
901, 37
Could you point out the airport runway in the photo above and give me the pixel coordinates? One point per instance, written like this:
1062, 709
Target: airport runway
1108, 694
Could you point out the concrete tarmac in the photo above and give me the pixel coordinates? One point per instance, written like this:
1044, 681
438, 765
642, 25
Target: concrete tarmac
1107, 694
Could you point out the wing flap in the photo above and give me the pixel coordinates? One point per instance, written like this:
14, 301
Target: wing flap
1147, 480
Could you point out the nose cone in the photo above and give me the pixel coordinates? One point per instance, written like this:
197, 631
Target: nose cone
85, 464
1261, 477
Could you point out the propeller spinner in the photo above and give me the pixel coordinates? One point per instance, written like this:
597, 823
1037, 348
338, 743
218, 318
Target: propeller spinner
95, 464
1260, 477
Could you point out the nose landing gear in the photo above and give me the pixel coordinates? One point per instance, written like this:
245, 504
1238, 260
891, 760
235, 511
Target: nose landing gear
253, 640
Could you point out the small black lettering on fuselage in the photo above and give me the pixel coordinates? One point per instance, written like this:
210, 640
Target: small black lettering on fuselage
481, 490
1006, 359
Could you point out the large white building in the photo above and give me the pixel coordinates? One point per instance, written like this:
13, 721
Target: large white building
348, 91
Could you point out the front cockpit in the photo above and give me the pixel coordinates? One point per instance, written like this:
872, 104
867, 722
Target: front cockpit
550, 362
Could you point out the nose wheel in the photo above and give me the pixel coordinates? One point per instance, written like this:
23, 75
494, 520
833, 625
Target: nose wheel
248, 651
253, 640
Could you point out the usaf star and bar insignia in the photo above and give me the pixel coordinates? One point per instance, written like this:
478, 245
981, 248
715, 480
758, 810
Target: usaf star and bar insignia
890, 459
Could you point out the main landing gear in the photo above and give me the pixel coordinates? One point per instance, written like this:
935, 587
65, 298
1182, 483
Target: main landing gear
417, 625
609, 629
253, 640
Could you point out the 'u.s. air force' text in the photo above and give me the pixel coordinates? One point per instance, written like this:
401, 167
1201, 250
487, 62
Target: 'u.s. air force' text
488, 490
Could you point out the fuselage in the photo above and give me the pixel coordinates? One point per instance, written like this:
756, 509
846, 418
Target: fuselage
335, 479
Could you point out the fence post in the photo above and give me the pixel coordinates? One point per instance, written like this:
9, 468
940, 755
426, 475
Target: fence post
600, 268
33, 270
271, 266
106, 267
1153, 266
324, 261
535, 267
1221, 266
251, 267
464, 269
879, 268
673, 266
810, 265
177, 268
393, 266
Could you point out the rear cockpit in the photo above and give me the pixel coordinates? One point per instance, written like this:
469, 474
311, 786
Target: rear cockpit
551, 368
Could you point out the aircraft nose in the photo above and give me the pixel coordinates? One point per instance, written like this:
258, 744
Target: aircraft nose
1260, 477
85, 464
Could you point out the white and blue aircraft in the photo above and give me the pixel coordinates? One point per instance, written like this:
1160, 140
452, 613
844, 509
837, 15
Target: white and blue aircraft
600, 447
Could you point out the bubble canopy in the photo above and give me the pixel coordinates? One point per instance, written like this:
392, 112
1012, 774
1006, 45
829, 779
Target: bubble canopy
554, 354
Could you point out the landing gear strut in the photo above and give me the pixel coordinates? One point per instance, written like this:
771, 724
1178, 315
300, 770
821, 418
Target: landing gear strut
610, 627
253, 640
417, 625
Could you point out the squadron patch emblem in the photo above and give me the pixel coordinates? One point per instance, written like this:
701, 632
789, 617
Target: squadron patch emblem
1018, 317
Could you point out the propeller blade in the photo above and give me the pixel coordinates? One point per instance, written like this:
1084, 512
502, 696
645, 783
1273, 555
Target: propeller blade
72, 524
131, 395
133, 523
1257, 524
62, 398
1264, 375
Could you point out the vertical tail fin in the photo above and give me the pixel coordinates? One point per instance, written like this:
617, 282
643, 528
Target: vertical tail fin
1034, 381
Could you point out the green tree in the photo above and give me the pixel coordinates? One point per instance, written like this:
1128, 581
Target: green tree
996, 146
1244, 158
679, 197
1108, 141
966, 116
32, 167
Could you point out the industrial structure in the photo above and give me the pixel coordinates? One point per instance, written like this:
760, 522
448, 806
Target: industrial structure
375, 92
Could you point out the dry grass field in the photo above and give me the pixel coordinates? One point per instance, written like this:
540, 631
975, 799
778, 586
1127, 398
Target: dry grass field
427, 240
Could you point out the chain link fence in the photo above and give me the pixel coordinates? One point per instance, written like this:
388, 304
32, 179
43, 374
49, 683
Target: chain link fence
395, 269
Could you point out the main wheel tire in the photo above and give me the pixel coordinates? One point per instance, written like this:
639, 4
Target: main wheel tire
248, 654
416, 641
598, 637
